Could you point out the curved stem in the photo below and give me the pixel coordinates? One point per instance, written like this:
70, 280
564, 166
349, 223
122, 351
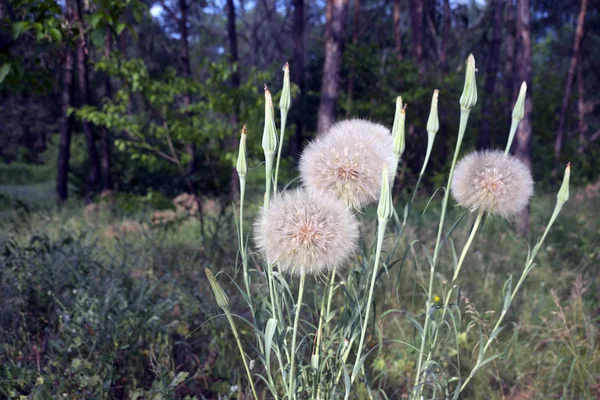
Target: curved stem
283, 119
237, 339
292, 390
380, 234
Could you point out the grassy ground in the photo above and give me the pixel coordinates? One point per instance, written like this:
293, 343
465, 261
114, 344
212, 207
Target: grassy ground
104, 304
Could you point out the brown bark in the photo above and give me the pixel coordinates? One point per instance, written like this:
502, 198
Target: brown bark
82, 72
298, 73
397, 30
523, 136
491, 75
352, 77
416, 16
445, 36
569, 82
581, 125
510, 48
334, 43
235, 83
64, 147
107, 182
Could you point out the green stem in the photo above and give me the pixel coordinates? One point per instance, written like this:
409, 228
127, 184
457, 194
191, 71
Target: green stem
511, 135
237, 339
283, 120
380, 235
464, 118
526, 270
292, 390
242, 243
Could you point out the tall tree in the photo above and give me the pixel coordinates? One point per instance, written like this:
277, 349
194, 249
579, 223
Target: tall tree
570, 77
82, 73
107, 182
581, 125
64, 146
491, 75
445, 36
523, 67
352, 77
397, 30
235, 83
335, 34
416, 25
298, 72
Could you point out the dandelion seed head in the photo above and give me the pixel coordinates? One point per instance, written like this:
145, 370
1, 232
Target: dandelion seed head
498, 183
306, 232
348, 160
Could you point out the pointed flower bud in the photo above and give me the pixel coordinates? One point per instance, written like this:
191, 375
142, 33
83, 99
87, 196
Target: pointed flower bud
468, 99
220, 296
385, 209
398, 137
241, 166
269, 139
519, 110
563, 193
285, 101
433, 123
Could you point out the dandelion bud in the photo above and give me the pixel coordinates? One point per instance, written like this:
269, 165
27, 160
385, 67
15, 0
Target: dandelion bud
468, 99
398, 137
220, 296
498, 183
241, 166
563, 193
519, 109
348, 160
306, 232
385, 209
433, 123
269, 139
285, 101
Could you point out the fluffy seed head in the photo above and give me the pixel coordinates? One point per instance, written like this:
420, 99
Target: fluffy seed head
498, 183
348, 160
306, 232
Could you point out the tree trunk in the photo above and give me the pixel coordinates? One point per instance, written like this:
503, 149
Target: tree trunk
445, 37
397, 30
298, 74
235, 83
581, 125
569, 83
510, 49
82, 72
352, 77
523, 136
416, 16
62, 167
107, 182
491, 75
334, 43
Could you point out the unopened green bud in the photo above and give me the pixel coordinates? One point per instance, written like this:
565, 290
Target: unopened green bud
519, 110
398, 136
468, 99
385, 209
241, 166
563, 193
220, 296
269, 139
285, 101
433, 123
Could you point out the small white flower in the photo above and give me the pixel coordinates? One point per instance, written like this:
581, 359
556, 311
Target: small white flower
348, 160
499, 183
306, 232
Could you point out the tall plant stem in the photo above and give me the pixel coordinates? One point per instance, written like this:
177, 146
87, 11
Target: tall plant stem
237, 339
528, 266
464, 118
283, 120
382, 222
242, 242
511, 135
463, 254
292, 391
